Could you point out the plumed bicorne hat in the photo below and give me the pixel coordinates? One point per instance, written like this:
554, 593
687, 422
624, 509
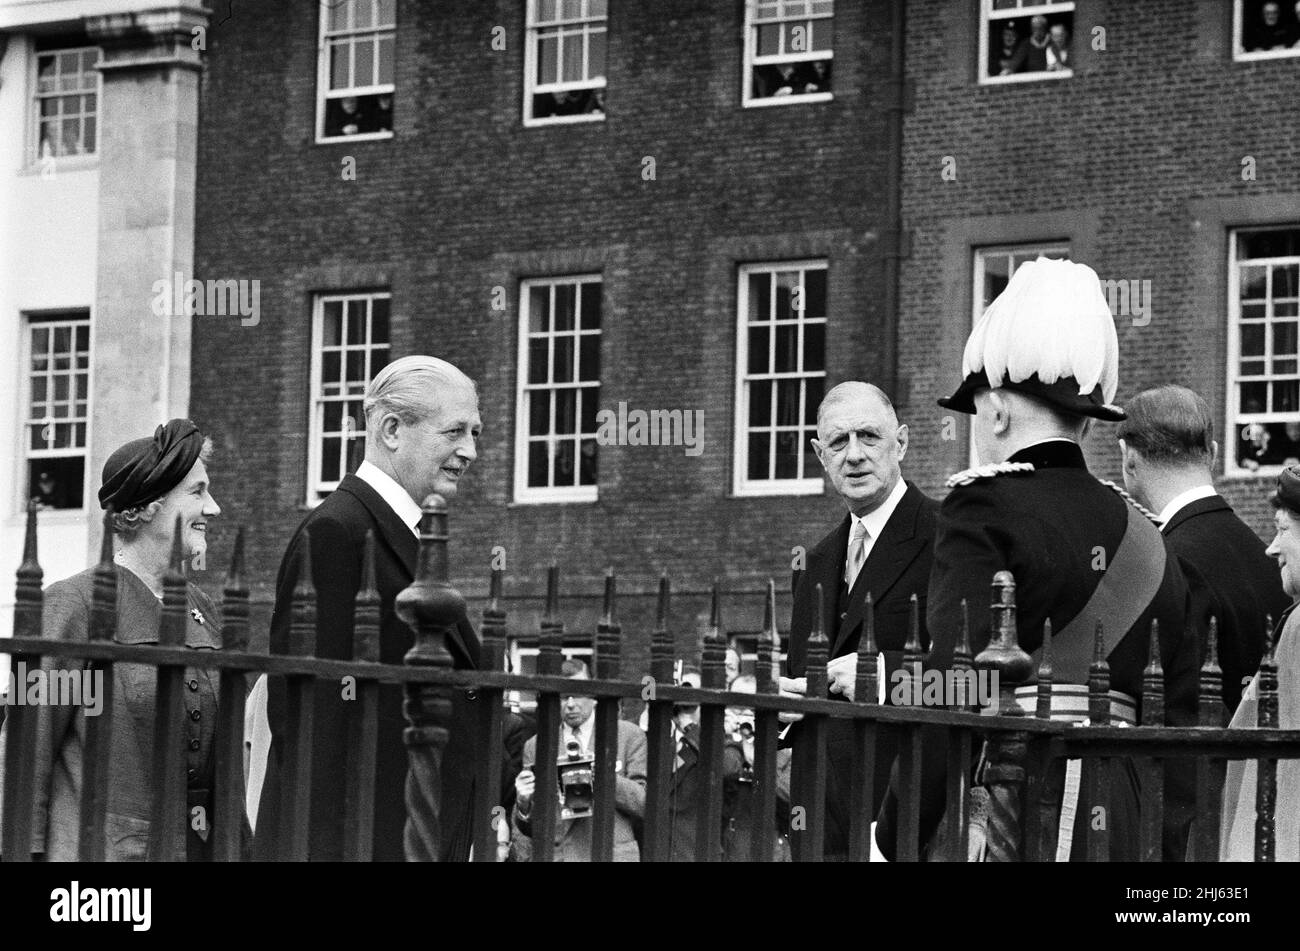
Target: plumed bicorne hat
1049, 335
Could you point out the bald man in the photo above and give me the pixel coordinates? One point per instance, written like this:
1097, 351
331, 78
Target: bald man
884, 545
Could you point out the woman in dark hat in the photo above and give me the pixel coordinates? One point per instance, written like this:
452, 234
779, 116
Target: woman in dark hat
149, 484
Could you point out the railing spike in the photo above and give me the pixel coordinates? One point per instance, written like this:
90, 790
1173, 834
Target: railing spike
866, 688
1210, 708
765, 675
610, 593
1043, 709
1153, 681
1099, 679
234, 600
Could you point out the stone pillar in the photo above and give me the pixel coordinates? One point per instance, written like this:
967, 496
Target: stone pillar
148, 126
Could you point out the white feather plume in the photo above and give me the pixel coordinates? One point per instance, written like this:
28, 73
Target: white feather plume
1052, 319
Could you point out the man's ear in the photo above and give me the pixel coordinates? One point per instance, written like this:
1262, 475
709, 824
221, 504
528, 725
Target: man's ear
820, 450
902, 436
387, 429
1214, 455
1001, 407
1126, 460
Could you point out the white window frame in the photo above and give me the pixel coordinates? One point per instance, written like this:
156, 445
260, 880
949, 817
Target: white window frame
34, 156
516, 699
1241, 55
1027, 10
75, 317
1233, 417
979, 256
536, 495
317, 489
741, 484
323, 91
533, 88
753, 60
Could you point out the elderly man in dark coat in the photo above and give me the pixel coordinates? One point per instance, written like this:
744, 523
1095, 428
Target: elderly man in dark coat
422, 423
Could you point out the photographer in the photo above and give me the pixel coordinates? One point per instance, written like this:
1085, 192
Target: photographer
577, 750
738, 798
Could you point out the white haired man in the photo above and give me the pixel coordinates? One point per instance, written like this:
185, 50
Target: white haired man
422, 423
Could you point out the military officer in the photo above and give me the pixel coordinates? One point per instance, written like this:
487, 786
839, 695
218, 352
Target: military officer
1040, 365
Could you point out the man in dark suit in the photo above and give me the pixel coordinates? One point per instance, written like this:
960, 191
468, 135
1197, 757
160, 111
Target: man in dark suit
883, 546
422, 423
1040, 364
1168, 451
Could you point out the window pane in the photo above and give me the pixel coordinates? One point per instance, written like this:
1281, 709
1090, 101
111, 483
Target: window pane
538, 462
330, 367
786, 281
1252, 340
596, 54
333, 417
563, 362
38, 390
814, 294
786, 342
566, 411
539, 412
538, 349
386, 59
564, 469
339, 74
587, 462
331, 446
548, 59
1252, 367
760, 445
759, 303
339, 15
539, 306
814, 391
759, 354
591, 306
1253, 282
589, 398
760, 403
387, 12
379, 308
787, 455
88, 134
1285, 279
787, 402
1284, 338
62, 339
356, 322
564, 306
769, 39
356, 368
364, 70
814, 347
1254, 397
589, 364
1286, 396
57, 483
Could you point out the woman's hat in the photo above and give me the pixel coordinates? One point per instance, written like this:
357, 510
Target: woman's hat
147, 469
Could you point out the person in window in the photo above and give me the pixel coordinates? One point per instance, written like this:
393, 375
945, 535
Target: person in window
815, 77
349, 121
1031, 55
1058, 48
1269, 32
776, 80
383, 120
1006, 55
150, 483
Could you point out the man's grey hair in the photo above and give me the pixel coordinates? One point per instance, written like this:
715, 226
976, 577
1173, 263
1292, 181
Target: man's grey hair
851, 390
1169, 426
409, 387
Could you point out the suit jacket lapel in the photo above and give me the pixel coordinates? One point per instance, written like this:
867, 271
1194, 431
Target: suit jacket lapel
895, 549
401, 541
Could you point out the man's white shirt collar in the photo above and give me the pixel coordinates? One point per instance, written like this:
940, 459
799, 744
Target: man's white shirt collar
584, 734
876, 519
1182, 500
398, 499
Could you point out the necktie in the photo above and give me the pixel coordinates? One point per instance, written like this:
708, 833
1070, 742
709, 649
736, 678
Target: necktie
577, 738
857, 554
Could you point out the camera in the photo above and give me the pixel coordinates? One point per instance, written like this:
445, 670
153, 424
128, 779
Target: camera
577, 777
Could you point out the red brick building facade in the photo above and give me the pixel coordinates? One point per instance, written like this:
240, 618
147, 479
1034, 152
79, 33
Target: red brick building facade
619, 222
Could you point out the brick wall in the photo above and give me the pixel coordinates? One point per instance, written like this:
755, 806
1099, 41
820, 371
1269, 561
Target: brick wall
464, 198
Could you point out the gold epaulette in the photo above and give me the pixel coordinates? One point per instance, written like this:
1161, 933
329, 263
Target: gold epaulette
1142, 509
967, 476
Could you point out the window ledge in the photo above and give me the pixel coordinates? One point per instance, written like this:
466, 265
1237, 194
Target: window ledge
1026, 78
62, 165
1255, 56
564, 120
789, 100
359, 137
557, 499
789, 487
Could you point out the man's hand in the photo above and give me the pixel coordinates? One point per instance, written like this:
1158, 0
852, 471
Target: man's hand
842, 675
525, 783
791, 687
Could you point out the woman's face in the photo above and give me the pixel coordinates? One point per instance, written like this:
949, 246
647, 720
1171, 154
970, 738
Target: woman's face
1285, 547
192, 501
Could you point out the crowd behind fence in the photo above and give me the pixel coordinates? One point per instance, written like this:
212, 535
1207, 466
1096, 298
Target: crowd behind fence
1015, 746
